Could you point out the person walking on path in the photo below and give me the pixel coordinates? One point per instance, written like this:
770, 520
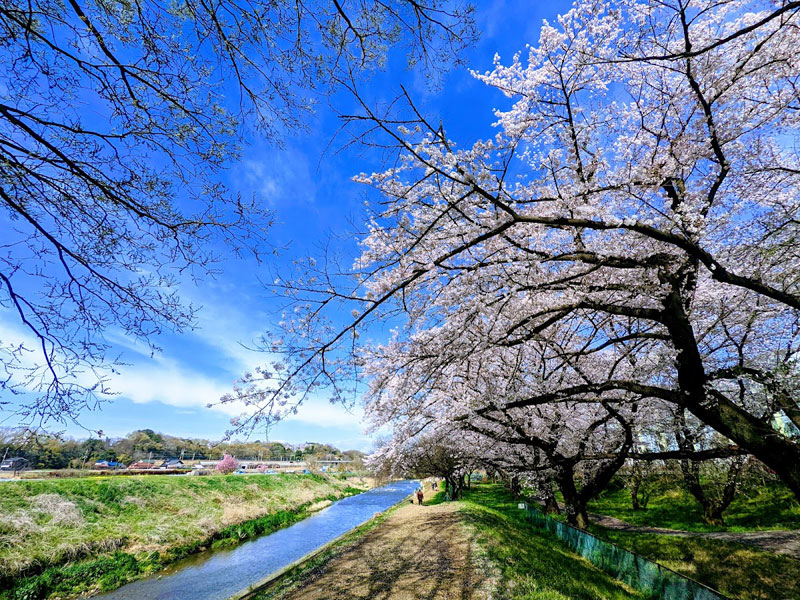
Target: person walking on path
419, 496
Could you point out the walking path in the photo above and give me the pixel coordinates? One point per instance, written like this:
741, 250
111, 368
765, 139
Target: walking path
785, 542
422, 552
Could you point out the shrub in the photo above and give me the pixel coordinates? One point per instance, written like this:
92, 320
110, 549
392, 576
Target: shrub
227, 465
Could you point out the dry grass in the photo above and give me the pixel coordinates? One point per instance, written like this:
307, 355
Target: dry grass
61, 511
140, 502
20, 522
239, 513
317, 506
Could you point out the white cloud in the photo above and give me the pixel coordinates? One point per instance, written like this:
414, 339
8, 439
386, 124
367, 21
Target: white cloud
277, 175
163, 380
317, 411
170, 378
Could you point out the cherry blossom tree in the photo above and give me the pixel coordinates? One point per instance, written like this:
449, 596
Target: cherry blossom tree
431, 455
720, 476
227, 465
465, 390
626, 241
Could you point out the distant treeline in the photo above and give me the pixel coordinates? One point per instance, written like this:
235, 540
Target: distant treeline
47, 451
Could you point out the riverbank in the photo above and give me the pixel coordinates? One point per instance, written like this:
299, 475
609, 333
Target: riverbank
471, 549
62, 538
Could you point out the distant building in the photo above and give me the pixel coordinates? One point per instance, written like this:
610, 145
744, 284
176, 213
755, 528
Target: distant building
13, 464
142, 464
172, 463
108, 464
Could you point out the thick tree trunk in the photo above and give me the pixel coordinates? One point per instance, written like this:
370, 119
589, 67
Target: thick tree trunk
636, 484
454, 486
582, 519
574, 502
550, 502
635, 495
576, 512
712, 514
779, 453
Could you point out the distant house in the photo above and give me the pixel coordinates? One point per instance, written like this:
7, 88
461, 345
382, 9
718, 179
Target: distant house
13, 464
142, 464
108, 464
172, 463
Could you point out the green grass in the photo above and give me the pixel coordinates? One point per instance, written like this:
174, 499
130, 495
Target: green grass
770, 507
74, 535
437, 498
533, 564
736, 570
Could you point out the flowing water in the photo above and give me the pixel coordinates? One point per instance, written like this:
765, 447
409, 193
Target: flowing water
216, 575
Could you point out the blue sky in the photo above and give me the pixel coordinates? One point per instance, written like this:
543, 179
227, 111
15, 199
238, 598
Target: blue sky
313, 198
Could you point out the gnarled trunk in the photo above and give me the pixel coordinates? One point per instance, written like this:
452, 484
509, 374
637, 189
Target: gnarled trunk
550, 502
712, 514
635, 483
574, 502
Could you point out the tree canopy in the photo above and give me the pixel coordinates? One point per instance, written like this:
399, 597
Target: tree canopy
623, 250
115, 121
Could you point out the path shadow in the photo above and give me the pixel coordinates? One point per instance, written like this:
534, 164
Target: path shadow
430, 560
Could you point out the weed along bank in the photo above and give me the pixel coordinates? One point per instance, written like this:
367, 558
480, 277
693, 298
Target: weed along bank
71, 537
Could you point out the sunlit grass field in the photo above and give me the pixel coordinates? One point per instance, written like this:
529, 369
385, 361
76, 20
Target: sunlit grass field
532, 563
767, 507
735, 569
738, 571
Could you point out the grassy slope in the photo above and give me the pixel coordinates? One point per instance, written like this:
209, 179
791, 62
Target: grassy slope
131, 526
736, 570
533, 564
771, 507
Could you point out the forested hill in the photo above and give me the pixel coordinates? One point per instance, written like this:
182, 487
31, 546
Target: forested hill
46, 451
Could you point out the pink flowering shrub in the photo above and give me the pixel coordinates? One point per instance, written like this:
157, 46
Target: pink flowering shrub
227, 465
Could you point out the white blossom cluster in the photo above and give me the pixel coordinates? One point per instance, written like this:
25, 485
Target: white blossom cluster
624, 249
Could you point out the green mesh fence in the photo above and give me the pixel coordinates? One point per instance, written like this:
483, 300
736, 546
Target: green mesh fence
641, 574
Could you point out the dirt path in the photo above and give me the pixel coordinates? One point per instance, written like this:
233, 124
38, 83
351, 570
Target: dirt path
778, 541
420, 552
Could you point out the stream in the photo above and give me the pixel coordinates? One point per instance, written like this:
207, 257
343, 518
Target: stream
219, 574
